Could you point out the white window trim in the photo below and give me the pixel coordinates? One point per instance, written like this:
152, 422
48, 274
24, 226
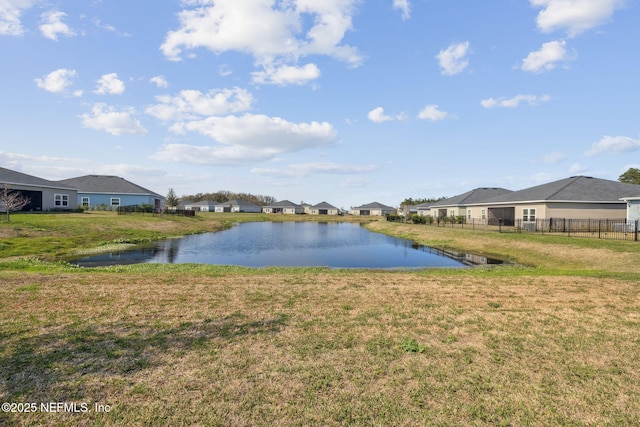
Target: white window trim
61, 200
114, 199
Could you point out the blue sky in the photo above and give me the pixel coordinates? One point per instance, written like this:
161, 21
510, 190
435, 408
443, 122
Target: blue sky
342, 101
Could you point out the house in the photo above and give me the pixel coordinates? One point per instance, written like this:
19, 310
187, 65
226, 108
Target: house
43, 195
237, 206
372, 209
633, 208
577, 197
284, 207
323, 208
201, 206
111, 192
461, 205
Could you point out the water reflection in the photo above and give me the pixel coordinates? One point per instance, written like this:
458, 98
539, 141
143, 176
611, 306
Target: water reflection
261, 244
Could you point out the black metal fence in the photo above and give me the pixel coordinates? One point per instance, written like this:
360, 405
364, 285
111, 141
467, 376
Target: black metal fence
611, 229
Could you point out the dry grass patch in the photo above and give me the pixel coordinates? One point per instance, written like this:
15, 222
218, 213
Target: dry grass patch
321, 348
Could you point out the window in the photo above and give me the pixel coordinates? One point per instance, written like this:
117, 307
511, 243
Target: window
115, 201
452, 212
528, 215
484, 214
61, 200
468, 213
84, 202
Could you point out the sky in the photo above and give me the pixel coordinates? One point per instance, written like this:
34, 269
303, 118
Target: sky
344, 101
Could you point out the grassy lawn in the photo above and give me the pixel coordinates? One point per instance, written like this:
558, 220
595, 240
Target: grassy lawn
554, 340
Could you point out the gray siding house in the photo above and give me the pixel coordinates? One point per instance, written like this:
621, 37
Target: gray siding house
43, 195
111, 192
633, 208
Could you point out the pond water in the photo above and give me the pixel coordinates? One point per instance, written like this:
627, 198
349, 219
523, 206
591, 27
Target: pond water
288, 244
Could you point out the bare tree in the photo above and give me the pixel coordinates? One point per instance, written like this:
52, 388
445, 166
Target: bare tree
11, 201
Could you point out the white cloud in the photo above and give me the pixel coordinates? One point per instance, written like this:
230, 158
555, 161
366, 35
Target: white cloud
299, 170
274, 33
431, 112
514, 102
193, 104
404, 7
52, 26
106, 118
10, 12
110, 84
285, 75
56, 81
377, 115
613, 144
246, 139
547, 57
159, 81
553, 157
574, 16
577, 168
453, 60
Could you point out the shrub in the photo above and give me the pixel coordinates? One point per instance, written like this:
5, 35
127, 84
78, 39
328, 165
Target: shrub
418, 219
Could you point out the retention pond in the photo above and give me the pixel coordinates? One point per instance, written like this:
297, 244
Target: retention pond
290, 244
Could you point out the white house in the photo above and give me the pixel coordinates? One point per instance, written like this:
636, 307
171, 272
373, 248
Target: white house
237, 206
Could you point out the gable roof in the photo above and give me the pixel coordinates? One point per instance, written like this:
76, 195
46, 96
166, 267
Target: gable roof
239, 203
476, 195
107, 184
284, 204
8, 176
323, 205
573, 189
201, 203
374, 205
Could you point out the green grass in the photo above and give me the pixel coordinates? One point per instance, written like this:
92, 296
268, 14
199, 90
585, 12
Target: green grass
551, 340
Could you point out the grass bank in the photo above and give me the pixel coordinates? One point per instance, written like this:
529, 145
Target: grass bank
554, 342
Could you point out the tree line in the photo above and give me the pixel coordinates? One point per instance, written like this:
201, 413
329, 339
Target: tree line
220, 196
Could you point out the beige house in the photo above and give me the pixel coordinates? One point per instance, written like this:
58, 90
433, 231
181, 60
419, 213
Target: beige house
372, 209
323, 208
462, 204
577, 197
283, 207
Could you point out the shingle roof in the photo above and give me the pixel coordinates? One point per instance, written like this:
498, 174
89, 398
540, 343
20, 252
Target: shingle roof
284, 203
202, 203
575, 189
323, 205
9, 177
374, 205
238, 203
477, 195
107, 184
